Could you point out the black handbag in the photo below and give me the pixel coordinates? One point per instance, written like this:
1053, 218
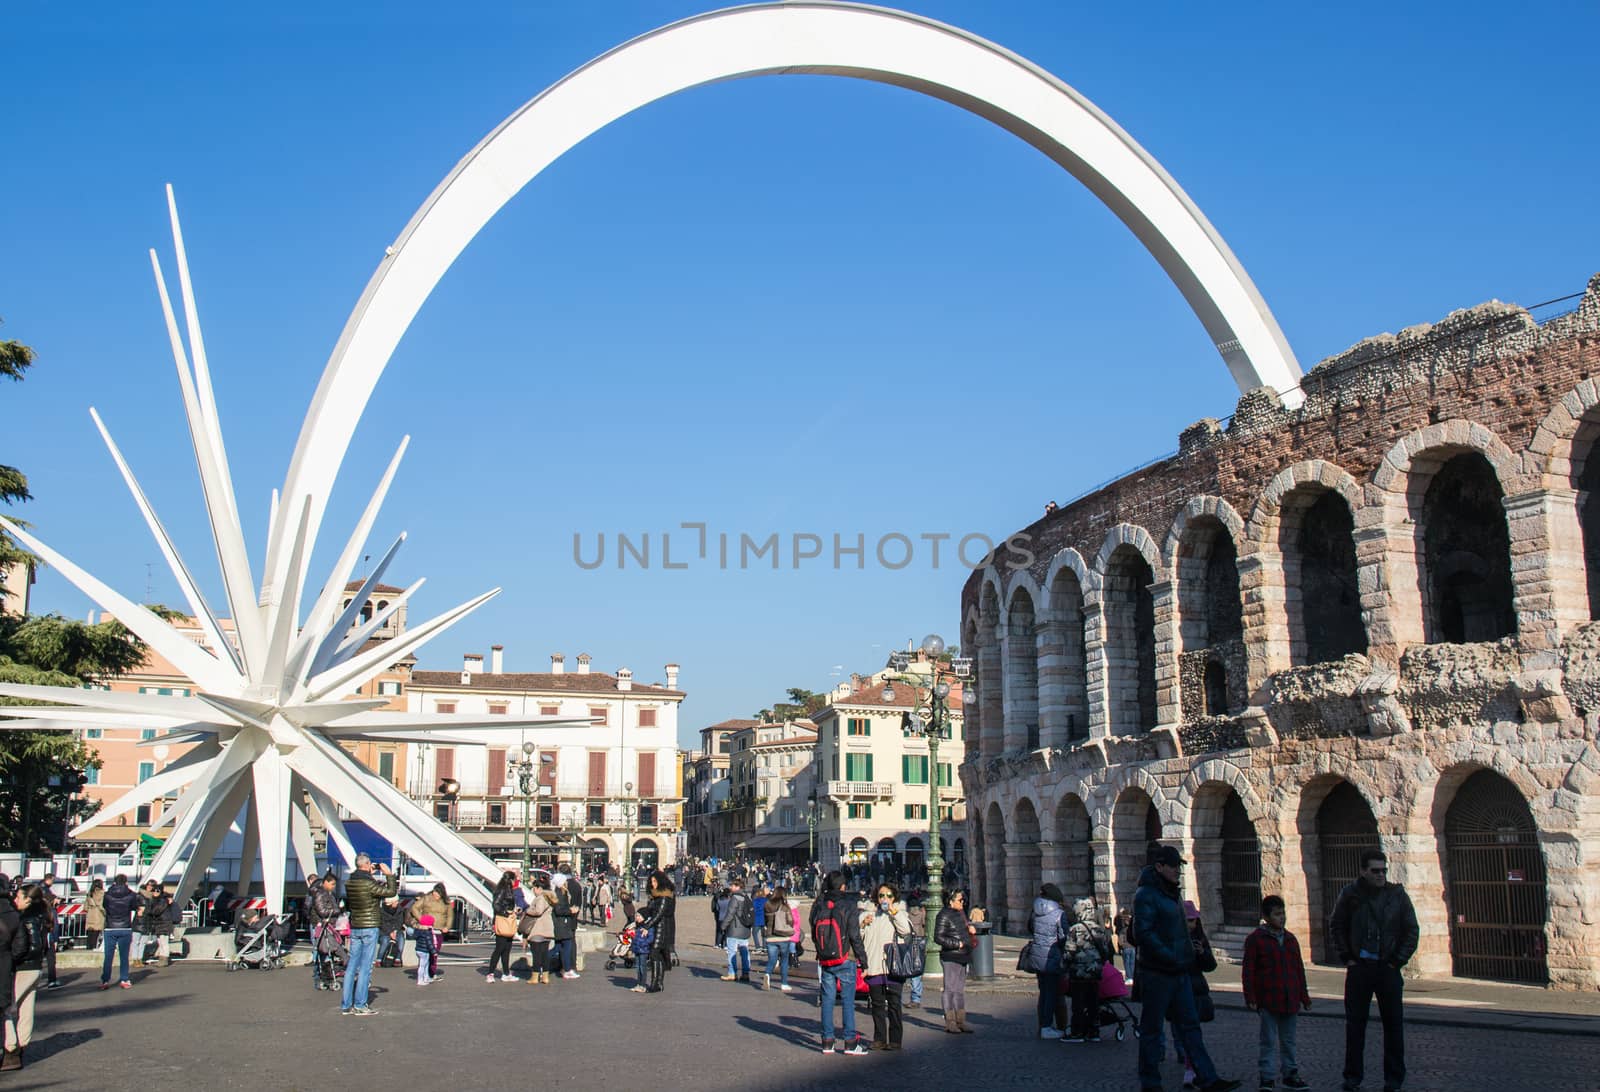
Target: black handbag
905, 958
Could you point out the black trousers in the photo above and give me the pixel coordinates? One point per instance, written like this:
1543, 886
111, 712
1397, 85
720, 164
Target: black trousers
886, 1016
1085, 994
1361, 983
502, 955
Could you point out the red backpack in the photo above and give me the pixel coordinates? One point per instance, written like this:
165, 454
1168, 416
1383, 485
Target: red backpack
829, 939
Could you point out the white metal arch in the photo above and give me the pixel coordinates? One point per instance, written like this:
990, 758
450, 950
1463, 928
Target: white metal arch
860, 41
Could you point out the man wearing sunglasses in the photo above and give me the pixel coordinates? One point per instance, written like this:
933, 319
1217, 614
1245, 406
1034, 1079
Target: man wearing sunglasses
1374, 932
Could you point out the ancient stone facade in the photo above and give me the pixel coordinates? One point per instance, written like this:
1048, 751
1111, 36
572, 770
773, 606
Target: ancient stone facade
1367, 621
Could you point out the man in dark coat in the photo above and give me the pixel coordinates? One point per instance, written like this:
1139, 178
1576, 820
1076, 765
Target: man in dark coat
1166, 956
1374, 933
122, 907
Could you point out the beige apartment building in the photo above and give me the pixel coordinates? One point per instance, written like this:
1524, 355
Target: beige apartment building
772, 793
872, 779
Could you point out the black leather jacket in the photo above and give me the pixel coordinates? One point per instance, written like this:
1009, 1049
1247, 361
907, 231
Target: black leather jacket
660, 915
1380, 920
122, 903
950, 934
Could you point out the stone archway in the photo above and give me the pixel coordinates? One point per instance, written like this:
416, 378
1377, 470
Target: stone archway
1135, 829
1226, 858
861, 42
1494, 880
994, 864
1336, 823
1023, 864
1069, 861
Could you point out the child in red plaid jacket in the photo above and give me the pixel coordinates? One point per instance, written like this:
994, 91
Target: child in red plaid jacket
1275, 986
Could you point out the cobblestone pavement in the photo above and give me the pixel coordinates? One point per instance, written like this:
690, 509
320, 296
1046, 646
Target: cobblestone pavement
198, 1026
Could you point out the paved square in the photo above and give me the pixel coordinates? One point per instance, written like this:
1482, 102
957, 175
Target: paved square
201, 1027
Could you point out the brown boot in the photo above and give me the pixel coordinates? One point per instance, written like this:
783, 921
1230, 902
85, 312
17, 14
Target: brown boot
950, 1024
12, 1059
961, 1022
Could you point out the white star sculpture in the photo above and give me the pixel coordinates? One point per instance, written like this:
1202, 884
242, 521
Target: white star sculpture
269, 711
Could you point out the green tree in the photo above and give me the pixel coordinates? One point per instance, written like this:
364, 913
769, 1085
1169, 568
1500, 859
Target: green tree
39, 768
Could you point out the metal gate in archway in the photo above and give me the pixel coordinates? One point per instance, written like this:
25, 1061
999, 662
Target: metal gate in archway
1241, 865
1494, 883
1345, 827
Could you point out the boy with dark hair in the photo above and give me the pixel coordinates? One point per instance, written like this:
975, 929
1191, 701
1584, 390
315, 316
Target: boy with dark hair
1275, 987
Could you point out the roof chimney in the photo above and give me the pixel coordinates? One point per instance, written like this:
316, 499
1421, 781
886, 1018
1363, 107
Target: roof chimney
472, 664
672, 676
624, 679
497, 659
558, 662
583, 663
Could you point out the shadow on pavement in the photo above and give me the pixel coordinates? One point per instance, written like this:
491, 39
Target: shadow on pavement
41, 1049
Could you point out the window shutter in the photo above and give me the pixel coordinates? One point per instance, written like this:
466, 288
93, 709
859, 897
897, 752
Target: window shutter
647, 773
869, 767
597, 773
497, 770
445, 763
647, 718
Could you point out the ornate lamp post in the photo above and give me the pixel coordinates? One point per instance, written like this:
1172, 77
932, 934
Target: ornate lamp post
811, 831
523, 769
627, 834
450, 789
930, 720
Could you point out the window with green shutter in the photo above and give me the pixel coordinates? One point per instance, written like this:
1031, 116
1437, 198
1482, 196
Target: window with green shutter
914, 769
916, 811
859, 726
861, 811
945, 774
858, 767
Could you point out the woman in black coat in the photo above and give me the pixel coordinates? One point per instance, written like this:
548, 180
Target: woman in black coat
25, 950
564, 920
660, 917
505, 905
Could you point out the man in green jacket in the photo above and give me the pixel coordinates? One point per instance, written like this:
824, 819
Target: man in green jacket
363, 899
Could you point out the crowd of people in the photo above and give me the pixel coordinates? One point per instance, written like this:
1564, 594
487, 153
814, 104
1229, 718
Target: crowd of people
865, 935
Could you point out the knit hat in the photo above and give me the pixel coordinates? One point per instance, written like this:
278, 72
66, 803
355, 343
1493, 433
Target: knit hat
426, 920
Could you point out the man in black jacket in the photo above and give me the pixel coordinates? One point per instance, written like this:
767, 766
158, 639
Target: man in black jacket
1374, 933
122, 906
835, 908
1166, 958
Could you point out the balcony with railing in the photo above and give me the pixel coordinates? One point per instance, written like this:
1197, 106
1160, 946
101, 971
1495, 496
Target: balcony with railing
859, 790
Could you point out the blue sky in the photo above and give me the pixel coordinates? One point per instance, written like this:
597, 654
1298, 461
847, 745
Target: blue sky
794, 304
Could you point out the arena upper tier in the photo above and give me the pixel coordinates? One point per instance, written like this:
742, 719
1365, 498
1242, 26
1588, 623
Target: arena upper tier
1367, 621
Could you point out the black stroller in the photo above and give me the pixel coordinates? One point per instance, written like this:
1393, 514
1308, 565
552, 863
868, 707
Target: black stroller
259, 943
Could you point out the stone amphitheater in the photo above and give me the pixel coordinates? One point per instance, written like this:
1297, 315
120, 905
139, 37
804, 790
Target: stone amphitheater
1367, 621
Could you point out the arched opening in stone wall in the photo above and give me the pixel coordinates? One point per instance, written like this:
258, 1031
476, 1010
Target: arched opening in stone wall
1130, 642
1025, 865
991, 679
1211, 665
1068, 675
1466, 554
1340, 826
994, 860
1227, 858
1494, 882
1022, 671
972, 719
1316, 537
1073, 868
1586, 483
1135, 829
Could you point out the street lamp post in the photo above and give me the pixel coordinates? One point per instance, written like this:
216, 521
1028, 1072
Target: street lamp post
931, 720
627, 834
523, 769
811, 831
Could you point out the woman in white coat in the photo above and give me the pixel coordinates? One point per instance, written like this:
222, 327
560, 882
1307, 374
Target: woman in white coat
885, 923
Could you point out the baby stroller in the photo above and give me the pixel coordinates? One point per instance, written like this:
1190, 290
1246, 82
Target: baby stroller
622, 950
330, 953
259, 943
1114, 996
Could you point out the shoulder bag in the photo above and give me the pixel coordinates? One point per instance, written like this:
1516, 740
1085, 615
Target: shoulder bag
904, 958
505, 925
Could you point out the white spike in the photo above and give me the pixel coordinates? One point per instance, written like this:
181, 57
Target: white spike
212, 836
330, 643
180, 772
352, 644
349, 676
272, 806
281, 617
305, 853
206, 670
237, 582
332, 823
191, 591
